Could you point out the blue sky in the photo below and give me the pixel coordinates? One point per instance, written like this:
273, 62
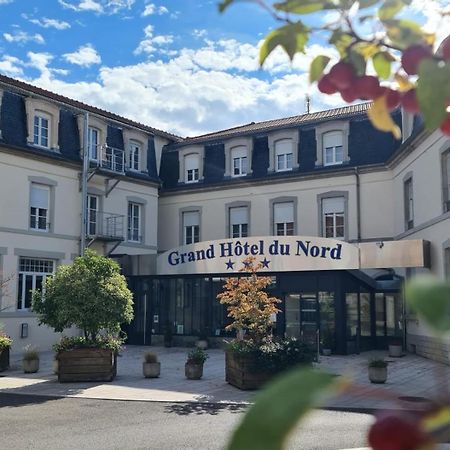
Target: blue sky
177, 65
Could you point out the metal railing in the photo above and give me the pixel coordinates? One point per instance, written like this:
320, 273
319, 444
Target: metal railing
105, 225
109, 158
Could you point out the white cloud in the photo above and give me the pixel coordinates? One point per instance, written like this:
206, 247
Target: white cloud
98, 6
151, 8
51, 23
85, 56
22, 37
10, 65
5, 2
149, 44
199, 33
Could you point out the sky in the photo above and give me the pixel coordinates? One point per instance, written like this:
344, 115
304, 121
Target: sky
176, 65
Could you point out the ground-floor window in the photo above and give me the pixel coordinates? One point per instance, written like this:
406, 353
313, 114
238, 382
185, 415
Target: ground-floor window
32, 275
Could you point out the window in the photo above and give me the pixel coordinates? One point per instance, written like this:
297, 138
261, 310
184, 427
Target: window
239, 222
93, 135
284, 155
134, 222
333, 151
92, 215
191, 227
41, 131
446, 180
39, 207
239, 161
191, 167
283, 214
333, 217
409, 204
32, 275
135, 155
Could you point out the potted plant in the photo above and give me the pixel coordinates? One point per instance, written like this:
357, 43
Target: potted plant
5, 345
395, 347
377, 371
92, 295
327, 342
193, 368
151, 366
168, 334
30, 361
202, 341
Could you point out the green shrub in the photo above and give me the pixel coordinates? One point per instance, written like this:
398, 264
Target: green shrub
379, 363
107, 342
5, 341
150, 357
30, 352
197, 356
90, 294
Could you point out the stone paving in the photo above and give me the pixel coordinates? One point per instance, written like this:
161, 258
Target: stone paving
409, 376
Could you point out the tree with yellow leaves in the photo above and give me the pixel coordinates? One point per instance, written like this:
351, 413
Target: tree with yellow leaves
249, 305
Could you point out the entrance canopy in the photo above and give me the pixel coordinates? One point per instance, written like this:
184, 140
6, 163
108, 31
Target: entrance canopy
291, 254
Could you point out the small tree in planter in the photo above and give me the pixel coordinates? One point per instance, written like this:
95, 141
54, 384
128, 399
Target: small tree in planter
193, 368
30, 360
5, 345
92, 295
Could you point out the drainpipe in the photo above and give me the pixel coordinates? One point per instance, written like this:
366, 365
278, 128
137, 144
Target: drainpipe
358, 204
84, 177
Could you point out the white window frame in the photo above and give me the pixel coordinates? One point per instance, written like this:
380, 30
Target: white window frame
37, 215
239, 155
46, 110
190, 150
22, 276
191, 233
327, 127
134, 232
287, 227
284, 136
245, 142
92, 212
238, 229
334, 216
93, 144
192, 175
334, 149
135, 150
38, 137
284, 159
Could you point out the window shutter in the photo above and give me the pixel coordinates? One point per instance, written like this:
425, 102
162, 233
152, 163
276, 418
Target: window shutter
283, 212
39, 196
332, 139
191, 219
238, 215
333, 205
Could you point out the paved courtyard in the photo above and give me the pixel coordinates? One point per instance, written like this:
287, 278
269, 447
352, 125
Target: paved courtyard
410, 376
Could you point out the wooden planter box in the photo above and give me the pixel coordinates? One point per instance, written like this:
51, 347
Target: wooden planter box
241, 371
4, 358
87, 364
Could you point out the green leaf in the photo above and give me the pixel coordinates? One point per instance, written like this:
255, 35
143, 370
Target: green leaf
430, 298
367, 3
433, 90
382, 64
279, 407
317, 67
224, 5
390, 8
404, 33
357, 61
304, 6
341, 40
292, 37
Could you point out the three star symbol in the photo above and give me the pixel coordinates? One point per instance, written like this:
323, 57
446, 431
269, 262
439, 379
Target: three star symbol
230, 264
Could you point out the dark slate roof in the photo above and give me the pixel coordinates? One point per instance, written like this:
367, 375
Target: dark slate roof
13, 83
287, 122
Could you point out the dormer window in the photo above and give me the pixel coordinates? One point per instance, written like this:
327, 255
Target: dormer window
41, 130
42, 123
239, 161
191, 167
93, 142
135, 155
333, 151
283, 155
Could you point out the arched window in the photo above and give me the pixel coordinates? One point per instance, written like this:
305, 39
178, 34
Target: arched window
333, 150
284, 156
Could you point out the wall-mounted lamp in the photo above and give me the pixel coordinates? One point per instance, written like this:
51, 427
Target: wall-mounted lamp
23, 330
380, 244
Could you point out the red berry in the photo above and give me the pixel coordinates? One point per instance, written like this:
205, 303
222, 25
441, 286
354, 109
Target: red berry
412, 57
409, 101
326, 86
367, 87
392, 98
342, 75
349, 95
397, 432
445, 48
445, 125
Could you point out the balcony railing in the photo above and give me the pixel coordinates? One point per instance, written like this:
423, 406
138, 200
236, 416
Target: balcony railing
106, 226
109, 158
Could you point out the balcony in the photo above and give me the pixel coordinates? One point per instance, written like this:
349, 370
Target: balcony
108, 158
105, 226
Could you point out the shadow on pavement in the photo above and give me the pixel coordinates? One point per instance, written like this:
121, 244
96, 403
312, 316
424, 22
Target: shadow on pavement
185, 409
15, 400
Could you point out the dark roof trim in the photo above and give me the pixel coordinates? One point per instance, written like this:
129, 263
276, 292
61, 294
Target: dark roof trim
29, 88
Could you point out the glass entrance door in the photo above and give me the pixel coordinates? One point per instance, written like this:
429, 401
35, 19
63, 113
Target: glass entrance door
302, 316
292, 315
